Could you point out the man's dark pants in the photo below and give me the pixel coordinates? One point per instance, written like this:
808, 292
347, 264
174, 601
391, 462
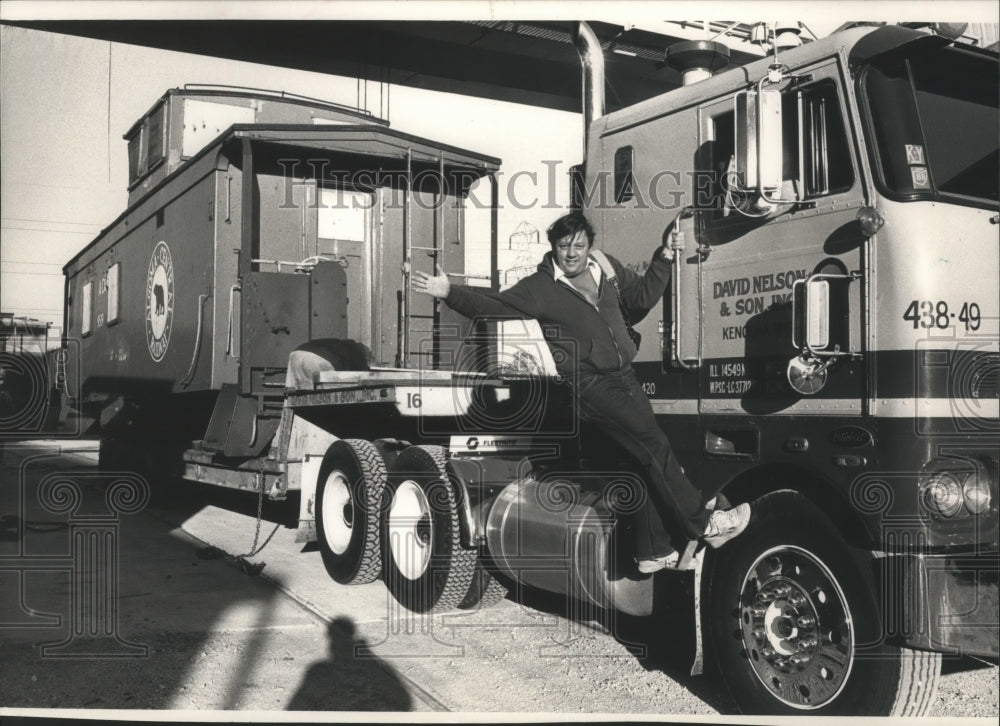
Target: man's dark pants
617, 405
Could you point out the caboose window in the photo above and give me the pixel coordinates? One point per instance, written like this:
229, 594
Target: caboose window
111, 284
154, 135
135, 155
341, 214
86, 308
146, 146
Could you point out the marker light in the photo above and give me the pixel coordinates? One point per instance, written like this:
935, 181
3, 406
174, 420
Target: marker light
871, 221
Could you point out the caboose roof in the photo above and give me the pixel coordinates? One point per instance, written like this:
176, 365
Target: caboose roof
361, 139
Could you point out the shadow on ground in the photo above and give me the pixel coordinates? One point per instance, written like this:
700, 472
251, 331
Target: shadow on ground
352, 678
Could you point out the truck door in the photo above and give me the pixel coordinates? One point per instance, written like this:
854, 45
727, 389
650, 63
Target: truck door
752, 254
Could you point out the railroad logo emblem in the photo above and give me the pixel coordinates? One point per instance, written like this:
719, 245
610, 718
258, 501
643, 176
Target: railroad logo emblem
159, 301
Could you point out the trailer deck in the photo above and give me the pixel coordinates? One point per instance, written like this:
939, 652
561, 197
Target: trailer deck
413, 392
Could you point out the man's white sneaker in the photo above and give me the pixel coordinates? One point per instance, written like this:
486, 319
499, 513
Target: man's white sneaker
724, 525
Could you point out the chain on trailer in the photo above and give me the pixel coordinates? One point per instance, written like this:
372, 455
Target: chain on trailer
242, 561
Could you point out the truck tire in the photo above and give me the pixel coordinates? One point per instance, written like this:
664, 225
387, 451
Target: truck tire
348, 501
795, 626
424, 564
390, 448
485, 590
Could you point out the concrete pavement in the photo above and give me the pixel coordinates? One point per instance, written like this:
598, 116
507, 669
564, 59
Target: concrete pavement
188, 629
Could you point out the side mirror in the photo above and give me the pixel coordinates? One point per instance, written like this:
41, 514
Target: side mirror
817, 314
819, 331
811, 315
759, 151
820, 315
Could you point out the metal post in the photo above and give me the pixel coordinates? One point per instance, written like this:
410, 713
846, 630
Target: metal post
438, 260
404, 324
494, 247
246, 254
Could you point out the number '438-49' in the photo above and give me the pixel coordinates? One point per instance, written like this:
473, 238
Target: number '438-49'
937, 314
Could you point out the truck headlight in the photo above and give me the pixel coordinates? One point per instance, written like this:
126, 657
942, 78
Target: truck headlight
941, 494
976, 492
950, 487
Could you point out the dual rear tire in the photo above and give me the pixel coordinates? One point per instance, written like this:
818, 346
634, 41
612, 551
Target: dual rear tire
348, 502
399, 520
425, 565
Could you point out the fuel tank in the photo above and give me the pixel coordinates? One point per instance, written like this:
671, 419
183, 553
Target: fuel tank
558, 536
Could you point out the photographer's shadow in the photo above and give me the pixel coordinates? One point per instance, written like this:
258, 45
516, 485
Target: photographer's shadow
352, 678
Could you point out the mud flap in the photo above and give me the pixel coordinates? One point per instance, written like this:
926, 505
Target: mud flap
309, 476
698, 665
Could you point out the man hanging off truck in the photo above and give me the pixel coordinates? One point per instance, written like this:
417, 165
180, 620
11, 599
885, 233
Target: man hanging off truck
592, 299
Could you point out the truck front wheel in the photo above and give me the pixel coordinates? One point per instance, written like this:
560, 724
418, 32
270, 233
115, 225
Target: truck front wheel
796, 627
424, 564
348, 500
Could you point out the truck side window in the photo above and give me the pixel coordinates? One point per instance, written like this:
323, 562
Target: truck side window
713, 188
624, 181
813, 134
826, 164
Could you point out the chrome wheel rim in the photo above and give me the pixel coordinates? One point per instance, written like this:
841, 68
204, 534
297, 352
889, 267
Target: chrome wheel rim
410, 530
338, 512
796, 627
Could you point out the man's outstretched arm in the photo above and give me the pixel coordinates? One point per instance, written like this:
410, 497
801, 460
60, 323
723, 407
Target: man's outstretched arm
472, 302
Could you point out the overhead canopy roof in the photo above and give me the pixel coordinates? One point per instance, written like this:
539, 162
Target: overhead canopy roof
522, 62
368, 140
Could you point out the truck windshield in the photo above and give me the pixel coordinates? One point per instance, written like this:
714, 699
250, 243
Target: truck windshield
935, 123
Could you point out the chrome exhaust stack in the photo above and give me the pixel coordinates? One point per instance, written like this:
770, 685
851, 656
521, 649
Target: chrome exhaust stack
592, 58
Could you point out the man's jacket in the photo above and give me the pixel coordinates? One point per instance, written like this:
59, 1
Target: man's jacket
590, 338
